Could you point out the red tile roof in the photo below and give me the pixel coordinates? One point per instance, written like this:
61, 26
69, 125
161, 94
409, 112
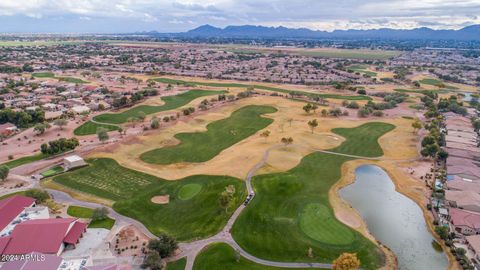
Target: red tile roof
464, 218
11, 207
40, 235
3, 243
75, 233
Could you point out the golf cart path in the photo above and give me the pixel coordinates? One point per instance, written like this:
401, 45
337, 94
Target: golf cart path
192, 249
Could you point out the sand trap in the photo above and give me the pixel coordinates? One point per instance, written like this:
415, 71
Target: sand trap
163, 199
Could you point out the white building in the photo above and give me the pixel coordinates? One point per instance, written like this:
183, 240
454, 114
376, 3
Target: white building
74, 161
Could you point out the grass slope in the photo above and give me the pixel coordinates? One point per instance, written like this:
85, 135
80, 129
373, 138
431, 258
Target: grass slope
90, 127
292, 213
177, 265
23, 160
171, 102
132, 191
220, 256
261, 87
83, 212
221, 134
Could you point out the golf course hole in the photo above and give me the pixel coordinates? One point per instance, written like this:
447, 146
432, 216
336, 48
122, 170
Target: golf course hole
189, 191
319, 223
162, 199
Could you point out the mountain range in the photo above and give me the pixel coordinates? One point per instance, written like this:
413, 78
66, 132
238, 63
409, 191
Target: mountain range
252, 31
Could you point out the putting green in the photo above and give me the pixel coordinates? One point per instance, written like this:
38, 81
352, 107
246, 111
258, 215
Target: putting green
189, 191
198, 217
291, 212
317, 222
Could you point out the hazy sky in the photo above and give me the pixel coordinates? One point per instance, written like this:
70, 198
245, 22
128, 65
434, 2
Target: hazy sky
96, 16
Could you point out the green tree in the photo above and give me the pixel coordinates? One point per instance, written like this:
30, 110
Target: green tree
4, 170
226, 197
417, 125
287, 141
442, 231
155, 123
60, 123
152, 261
313, 124
100, 213
141, 116
165, 245
265, 134
39, 195
40, 128
102, 134
307, 108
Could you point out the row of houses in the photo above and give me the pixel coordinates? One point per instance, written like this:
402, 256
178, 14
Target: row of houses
460, 208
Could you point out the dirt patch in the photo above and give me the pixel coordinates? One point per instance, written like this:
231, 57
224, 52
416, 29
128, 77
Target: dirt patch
162, 199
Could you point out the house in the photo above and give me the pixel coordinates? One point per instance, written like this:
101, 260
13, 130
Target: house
48, 236
464, 222
7, 129
16, 209
473, 242
459, 183
80, 109
74, 161
468, 200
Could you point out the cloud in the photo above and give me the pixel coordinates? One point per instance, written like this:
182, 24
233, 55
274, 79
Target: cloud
179, 15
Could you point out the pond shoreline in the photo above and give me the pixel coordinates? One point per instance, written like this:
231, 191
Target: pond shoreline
404, 184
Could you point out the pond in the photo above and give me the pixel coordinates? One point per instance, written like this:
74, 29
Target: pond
393, 219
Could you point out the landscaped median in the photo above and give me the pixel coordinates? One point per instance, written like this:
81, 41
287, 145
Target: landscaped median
187, 208
291, 213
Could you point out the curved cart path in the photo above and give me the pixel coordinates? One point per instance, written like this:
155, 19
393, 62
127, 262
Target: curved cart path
192, 249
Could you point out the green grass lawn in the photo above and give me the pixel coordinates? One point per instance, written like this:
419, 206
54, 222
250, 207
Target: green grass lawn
362, 140
220, 256
62, 79
83, 212
171, 102
89, 128
189, 191
261, 87
436, 82
221, 134
198, 217
71, 80
292, 213
177, 265
23, 160
53, 171
362, 69
43, 75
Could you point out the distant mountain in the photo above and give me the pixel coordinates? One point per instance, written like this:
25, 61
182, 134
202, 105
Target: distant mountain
252, 31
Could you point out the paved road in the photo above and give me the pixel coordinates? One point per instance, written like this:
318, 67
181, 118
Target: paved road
63, 197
